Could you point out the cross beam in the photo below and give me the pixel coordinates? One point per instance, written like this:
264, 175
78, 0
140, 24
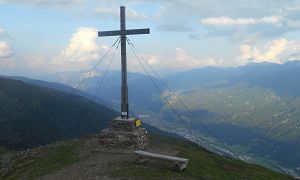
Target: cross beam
123, 32
127, 32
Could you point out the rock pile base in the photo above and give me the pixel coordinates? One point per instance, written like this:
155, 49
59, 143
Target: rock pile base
124, 133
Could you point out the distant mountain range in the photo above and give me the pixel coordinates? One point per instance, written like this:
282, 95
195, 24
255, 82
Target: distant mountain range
60, 87
283, 79
142, 94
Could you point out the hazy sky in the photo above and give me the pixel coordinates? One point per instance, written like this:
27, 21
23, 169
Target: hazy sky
47, 36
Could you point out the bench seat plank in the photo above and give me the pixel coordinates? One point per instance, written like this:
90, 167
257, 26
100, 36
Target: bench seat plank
161, 156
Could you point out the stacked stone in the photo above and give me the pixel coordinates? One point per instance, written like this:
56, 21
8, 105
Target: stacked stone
123, 124
123, 133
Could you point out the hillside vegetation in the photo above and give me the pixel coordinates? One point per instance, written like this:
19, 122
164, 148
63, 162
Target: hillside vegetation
31, 116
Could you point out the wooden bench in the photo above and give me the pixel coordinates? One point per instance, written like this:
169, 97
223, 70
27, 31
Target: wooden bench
179, 163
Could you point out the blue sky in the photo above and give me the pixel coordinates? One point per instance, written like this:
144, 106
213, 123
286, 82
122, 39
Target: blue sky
39, 37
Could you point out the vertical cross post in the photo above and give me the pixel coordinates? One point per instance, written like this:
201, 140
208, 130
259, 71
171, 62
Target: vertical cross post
123, 32
124, 87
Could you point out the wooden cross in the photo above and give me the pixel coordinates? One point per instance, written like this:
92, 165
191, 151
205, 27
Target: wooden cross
122, 33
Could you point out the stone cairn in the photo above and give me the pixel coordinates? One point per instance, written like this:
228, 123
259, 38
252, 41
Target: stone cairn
124, 133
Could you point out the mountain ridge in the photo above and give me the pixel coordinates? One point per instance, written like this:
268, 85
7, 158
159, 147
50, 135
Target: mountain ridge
31, 116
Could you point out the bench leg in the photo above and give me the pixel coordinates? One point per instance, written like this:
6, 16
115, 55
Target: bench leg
141, 160
179, 166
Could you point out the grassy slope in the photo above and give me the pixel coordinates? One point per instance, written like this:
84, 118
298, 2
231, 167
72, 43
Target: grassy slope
44, 160
203, 164
63, 157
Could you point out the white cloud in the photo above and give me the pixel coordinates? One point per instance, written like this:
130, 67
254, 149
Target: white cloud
107, 13
6, 55
90, 74
271, 20
181, 60
227, 21
276, 51
81, 51
36, 61
152, 60
294, 6
187, 13
5, 50
4, 34
1, 31
294, 24
56, 3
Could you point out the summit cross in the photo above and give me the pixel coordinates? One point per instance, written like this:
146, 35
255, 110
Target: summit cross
123, 32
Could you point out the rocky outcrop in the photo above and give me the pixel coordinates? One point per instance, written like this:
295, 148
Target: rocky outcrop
124, 133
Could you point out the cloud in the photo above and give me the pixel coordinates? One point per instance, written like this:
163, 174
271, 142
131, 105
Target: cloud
181, 60
36, 61
276, 51
293, 24
187, 13
272, 26
107, 13
5, 50
275, 19
4, 34
174, 27
294, 6
1, 31
54, 3
169, 19
90, 74
225, 18
6, 55
195, 36
227, 21
81, 51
